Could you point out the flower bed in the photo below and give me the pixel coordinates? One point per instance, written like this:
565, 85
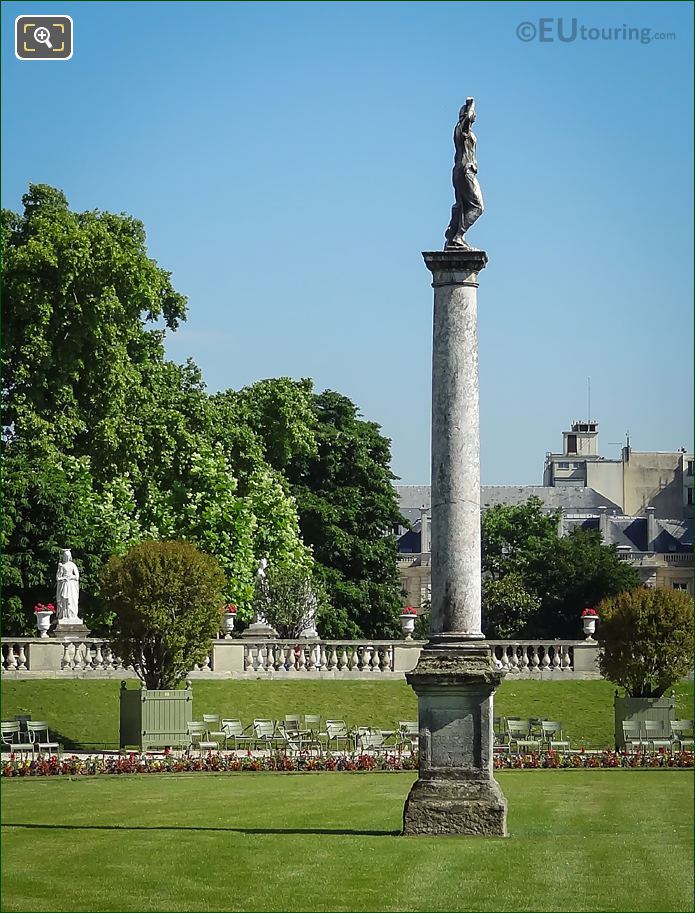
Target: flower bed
134, 764
593, 760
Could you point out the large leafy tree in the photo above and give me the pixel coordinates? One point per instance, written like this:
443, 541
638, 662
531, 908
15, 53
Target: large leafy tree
571, 573
105, 441
522, 552
347, 509
78, 289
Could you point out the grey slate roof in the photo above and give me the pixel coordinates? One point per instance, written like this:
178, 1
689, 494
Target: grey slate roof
411, 497
630, 532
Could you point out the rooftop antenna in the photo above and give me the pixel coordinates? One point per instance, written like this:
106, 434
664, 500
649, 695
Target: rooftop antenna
588, 399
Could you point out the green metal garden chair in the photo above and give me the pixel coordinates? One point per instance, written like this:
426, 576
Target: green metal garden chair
632, 734
520, 736
198, 738
656, 734
551, 734
265, 733
682, 733
337, 732
40, 738
11, 735
234, 732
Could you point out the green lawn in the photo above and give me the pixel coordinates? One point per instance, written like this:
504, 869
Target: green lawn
599, 840
85, 712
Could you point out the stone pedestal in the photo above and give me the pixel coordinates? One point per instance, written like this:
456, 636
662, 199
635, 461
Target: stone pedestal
456, 676
456, 792
71, 630
260, 630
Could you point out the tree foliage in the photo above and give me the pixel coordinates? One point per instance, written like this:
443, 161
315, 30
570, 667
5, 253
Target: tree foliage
507, 607
646, 639
167, 598
105, 441
562, 574
290, 600
347, 510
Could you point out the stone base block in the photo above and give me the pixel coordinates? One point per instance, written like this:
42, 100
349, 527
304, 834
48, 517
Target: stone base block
473, 808
70, 631
260, 631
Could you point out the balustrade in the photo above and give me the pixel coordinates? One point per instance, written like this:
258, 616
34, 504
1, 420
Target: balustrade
94, 657
524, 658
320, 656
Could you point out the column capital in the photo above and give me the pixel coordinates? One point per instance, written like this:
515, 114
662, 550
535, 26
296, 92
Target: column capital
455, 267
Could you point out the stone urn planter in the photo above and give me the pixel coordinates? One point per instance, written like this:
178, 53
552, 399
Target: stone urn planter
589, 620
408, 620
44, 614
43, 622
228, 617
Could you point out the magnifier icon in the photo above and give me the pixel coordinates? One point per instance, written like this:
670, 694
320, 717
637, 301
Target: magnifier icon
43, 36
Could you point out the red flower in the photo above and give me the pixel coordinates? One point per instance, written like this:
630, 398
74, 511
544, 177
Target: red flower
230, 609
590, 613
409, 610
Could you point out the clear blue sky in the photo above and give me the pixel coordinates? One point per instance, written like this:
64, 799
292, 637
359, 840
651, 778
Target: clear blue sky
290, 161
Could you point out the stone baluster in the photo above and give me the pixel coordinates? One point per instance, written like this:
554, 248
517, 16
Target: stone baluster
310, 658
535, 659
524, 664
276, 657
302, 660
353, 657
11, 658
545, 662
368, 658
556, 658
359, 655
566, 659
332, 662
98, 657
21, 658
248, 662
515, 660
322, 658
206, 664
504, 658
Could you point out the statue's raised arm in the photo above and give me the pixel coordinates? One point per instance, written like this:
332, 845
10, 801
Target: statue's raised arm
468, 198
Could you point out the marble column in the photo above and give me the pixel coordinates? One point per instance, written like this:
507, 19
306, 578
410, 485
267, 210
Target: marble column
456, 675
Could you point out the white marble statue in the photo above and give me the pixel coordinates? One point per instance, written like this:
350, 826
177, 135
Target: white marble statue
262, 587
67, 590
311, 605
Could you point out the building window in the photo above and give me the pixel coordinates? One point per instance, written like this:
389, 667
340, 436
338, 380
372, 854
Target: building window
689, 470
563, 465
680, 586
689, 497
571, 443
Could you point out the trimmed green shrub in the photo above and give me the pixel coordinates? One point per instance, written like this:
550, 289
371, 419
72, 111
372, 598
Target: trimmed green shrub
646, 637
167, 597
